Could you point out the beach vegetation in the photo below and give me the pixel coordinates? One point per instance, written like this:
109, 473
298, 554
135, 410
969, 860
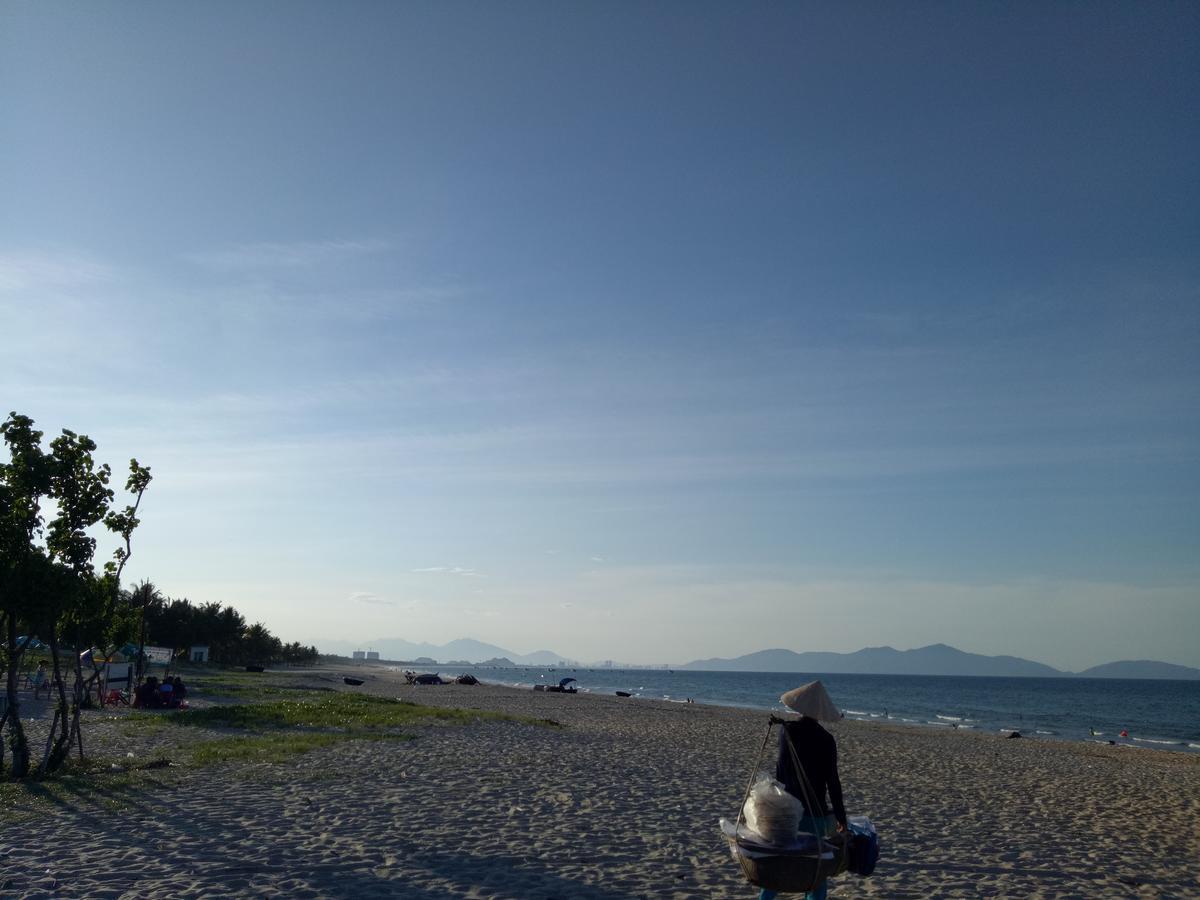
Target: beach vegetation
332, 710
99, 783
51, 593
276, 747
181, 624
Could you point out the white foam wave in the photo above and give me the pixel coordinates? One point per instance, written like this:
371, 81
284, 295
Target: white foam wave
1194, 746
950, 718
1157, 741
1039, 731
856, 712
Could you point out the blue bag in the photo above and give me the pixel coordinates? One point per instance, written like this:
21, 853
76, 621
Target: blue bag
863, 849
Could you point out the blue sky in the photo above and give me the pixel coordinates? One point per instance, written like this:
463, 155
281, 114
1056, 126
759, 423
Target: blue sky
646, 332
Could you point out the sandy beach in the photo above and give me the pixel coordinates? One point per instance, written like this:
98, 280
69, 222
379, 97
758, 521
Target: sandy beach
620, 798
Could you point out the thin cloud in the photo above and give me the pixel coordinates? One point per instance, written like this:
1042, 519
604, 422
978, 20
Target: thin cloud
270, 255
368, 597
40, 271
448, 570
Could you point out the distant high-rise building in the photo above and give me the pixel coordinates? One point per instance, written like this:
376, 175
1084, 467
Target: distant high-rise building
372, 654
360, 654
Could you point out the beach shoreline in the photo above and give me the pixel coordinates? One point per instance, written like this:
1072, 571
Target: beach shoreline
593, 796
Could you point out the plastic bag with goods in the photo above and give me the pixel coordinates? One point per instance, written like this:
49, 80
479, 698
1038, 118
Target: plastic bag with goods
772, 812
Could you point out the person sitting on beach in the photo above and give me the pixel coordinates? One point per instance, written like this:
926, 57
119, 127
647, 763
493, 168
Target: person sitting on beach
806, 742
146, 695
166, 693
180, 690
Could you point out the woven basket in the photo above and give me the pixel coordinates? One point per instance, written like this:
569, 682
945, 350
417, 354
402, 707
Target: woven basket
790, 872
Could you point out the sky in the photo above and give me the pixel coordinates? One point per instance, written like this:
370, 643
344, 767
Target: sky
644, 332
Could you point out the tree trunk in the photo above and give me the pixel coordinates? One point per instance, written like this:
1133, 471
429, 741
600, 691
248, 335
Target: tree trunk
80, 688
62, 745
17, 740
141, 665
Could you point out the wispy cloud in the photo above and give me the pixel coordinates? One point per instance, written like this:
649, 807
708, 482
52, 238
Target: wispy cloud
44, 270
271, 255
370, 598
448, 570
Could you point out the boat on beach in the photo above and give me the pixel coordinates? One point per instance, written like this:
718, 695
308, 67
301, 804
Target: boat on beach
565, 686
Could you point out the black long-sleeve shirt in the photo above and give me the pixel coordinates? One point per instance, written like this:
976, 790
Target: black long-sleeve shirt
817, 751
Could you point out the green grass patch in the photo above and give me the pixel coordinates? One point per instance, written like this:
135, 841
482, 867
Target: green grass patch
102, 783
336, 710
274, 748
248, 687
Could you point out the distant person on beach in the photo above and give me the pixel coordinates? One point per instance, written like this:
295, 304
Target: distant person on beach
804, 741
180, 690
39, 680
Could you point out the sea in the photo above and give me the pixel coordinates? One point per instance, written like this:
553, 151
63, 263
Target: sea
1144, 713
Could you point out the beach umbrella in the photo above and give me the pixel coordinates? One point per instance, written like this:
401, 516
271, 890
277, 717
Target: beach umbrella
811, 700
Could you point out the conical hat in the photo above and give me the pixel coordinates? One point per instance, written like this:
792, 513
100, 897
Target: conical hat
811, 700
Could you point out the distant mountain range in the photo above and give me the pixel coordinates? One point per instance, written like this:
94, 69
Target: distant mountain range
461, 650
936, 659
1141, 668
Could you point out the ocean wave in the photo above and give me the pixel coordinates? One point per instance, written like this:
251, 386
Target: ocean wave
1039, 731
1194, 746
857, 712
950, 718
1158, 741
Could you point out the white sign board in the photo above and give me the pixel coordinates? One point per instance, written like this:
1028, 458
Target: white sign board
158, 654
118, 673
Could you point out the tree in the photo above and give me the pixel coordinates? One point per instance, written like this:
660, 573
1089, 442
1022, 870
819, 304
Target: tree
48, 584
24, 481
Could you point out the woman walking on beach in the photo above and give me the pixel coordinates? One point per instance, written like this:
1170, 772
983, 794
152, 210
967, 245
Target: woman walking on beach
804, 741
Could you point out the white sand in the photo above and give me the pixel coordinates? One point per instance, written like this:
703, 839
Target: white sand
622, 802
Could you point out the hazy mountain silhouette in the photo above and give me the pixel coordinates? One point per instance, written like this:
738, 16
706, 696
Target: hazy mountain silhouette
1141, 668
936, 659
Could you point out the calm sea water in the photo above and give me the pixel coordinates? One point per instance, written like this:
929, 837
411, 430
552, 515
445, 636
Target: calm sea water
1157, 714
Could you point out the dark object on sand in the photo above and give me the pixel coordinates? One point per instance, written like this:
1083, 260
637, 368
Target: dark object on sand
565, 686
624, 694
354, 681
466, 679
256, 668
863, 847
427, 678
1013, 734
